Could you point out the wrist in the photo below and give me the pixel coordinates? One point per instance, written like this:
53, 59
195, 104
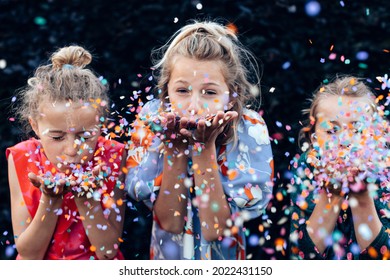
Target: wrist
199, 148
331, 197
52, 201
175, 152
361, 196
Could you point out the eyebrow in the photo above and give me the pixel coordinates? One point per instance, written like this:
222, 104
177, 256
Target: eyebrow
204, 84
78, 132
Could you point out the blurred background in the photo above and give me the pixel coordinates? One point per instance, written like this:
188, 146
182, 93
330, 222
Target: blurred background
299, 44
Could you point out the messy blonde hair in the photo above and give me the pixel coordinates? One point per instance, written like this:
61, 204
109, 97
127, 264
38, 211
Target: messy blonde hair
212, 41
64, 79
350, 86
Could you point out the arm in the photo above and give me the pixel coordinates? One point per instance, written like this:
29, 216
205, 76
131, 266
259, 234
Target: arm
323, 220
32, 235
307, 197
214, 210
104, 228
170, 206
366, 223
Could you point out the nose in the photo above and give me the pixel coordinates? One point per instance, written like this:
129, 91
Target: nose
345, 139
194, 106
71, 147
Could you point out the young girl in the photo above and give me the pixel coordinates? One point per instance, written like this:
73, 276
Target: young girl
65, 185
200, 159
340, 188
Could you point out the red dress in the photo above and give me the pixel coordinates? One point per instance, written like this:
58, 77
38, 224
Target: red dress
69, 240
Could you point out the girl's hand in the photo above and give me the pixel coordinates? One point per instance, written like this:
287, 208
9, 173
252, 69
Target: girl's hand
170, 132
208, 129
50, 186
84, 184
339, 176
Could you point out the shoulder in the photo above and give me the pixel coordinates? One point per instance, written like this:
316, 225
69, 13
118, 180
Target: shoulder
29, 146
109, 144
253, 125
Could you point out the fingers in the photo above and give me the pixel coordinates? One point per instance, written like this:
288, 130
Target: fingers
224, 118
34, 179
170, 121
99, 168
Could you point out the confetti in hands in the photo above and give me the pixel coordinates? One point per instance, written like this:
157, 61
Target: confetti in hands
81, 182
182, 131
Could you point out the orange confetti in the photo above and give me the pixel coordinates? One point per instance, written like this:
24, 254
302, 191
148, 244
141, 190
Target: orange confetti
234, 230
92, 248
232, 174
279, 242
372, 252
232, 27
344, 205
303, 205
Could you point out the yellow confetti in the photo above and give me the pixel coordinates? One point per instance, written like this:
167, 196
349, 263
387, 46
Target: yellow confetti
177, 213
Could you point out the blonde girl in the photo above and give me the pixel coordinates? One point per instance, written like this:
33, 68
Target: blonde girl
200, 159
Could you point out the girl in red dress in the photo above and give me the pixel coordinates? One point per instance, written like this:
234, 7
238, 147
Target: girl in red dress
66, 184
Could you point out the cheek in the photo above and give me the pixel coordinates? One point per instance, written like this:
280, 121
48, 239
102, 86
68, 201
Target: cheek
322, 139
54, 152
86, 150
178, 103
219, 103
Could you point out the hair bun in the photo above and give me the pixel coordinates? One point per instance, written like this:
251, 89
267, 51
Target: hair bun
72, 55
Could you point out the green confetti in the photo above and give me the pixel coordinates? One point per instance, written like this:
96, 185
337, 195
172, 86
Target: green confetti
40, 21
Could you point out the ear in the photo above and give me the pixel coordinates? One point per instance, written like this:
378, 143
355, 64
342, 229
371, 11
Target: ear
34, 125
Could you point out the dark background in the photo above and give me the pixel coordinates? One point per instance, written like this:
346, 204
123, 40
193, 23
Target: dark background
298, 49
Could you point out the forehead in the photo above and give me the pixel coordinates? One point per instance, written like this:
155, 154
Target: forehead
332, 107
197, 69
66, 114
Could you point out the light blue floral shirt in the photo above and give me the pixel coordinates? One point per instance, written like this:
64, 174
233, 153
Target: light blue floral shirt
248, 192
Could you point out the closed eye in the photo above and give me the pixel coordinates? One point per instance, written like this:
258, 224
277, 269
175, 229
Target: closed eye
58, 138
